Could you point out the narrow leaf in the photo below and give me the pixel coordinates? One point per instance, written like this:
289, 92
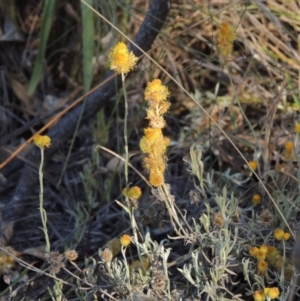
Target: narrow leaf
47, 18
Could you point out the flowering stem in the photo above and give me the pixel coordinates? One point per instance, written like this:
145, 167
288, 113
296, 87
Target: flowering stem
130, 208
123, 250
125, 134
41, 197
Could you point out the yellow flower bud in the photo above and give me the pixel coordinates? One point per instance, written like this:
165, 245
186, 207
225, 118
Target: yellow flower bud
42, 141
125, 240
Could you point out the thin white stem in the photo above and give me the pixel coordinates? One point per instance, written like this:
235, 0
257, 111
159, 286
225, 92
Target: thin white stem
41, 196
130, 208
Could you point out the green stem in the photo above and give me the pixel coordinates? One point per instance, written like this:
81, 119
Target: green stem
41, 196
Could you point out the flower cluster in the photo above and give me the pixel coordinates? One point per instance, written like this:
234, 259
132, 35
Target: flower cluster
260, 254
153, 143
225, 41
121, 60
268, 292
269, 255
279, 234
133, 192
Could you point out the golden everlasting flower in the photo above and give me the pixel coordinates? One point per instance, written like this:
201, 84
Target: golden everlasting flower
262, 266
278, 234
259, 295
289, 146
286, 236
135, 192
297, 127
253, 164
155, 92
256, 199
272, 251
253, 251
264, 248
261, 255
272, 292
156, 178
121, 60
42, 141
125, 240
225, 40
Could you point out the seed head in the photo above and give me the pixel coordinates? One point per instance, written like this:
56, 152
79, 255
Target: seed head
106, 255
218, 219
71, 255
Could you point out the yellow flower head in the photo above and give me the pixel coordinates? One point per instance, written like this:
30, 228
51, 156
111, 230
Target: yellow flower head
262, 267
125, 240
121, 60
264, 248
279, 234
259, 295
134, 192
253, 164
289, 146
153, 134
297, 127
256, 199
261, 255
42, 141
272, 252
253, 251
155, 92
272, 292
156, 178
225, 40
286, 236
